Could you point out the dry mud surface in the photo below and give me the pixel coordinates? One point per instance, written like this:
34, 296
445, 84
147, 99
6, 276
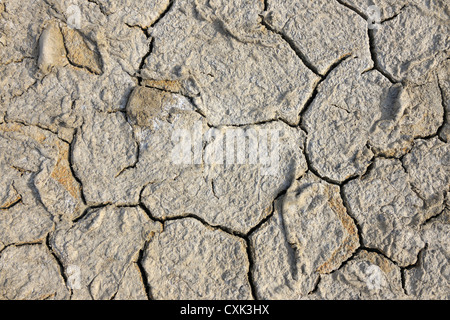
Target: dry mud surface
194, 149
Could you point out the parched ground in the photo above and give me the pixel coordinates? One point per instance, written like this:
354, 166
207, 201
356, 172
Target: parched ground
224, 149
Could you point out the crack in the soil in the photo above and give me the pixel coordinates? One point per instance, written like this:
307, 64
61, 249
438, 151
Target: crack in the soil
372, 49
374, 56
100, 7
324, 178
445, 115
251, 264
58, 261
79, 66
136, 26
144, 278
23, 123
13, 204
358, 12
229, 231
163, 14
138, 156
315, 91
22, 59
294, 48
89, 210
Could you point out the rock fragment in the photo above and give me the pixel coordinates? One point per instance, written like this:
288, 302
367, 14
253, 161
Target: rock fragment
323, 31
191, 261
342, 116
309, 234
37, 184
80, 52
406, 54
146, 106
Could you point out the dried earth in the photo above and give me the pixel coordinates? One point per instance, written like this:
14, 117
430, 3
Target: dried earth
194, 149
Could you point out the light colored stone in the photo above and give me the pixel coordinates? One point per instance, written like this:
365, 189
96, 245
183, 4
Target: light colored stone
309, 234
388, 211
191, 261
30, 272
367, 276
103, 245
